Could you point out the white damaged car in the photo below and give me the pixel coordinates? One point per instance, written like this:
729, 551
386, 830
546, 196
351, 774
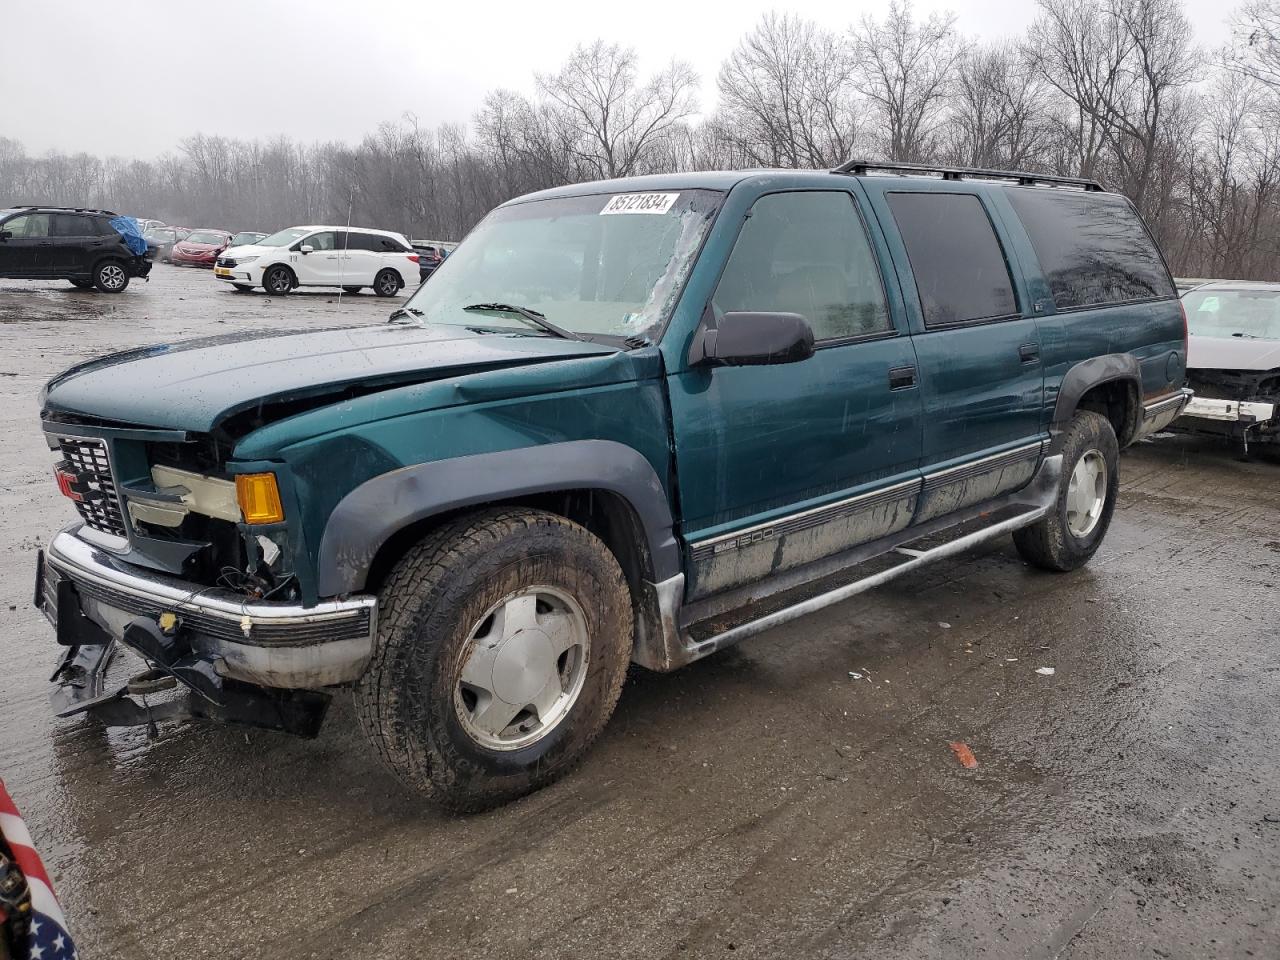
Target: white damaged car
322, 256
1233, 362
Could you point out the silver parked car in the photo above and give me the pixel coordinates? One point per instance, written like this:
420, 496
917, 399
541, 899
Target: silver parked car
1233, 362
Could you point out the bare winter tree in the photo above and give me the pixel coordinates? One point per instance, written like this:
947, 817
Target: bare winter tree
997, 111
1122, 65
787, 97
1255, 44
906, 69
616, 122
1104, 88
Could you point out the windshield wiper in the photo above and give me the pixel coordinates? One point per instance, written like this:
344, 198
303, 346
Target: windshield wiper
533, 316
399, 314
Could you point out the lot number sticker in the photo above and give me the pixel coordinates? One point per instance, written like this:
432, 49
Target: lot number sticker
640, 203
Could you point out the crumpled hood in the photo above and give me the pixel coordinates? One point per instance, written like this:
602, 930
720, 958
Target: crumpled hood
196, 384
1232, 353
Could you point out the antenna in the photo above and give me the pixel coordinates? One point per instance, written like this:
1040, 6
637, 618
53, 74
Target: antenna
346, 241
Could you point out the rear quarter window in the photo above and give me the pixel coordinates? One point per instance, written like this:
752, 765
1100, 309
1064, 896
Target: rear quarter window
1093, 247
959, 266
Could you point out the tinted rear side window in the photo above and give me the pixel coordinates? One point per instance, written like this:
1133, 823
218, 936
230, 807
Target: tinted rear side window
959, 267
1092, 247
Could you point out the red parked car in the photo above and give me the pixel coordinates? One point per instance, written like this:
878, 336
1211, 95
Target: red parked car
200, 249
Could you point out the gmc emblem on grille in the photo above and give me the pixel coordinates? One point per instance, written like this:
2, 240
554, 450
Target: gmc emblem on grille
72, 484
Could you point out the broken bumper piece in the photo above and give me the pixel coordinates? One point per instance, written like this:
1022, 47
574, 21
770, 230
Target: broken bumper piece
249, 662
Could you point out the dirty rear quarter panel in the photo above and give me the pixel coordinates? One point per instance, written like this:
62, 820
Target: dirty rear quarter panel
333, 450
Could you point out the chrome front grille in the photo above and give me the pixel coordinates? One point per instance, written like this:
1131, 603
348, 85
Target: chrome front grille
99, 503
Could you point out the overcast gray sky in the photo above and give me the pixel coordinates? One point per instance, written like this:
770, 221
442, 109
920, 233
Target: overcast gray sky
134, 78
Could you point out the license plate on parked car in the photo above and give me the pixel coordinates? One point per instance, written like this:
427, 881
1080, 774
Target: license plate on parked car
221, 272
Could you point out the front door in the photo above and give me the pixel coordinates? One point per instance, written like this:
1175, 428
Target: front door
782, 465
25, 251
982, 382
323, 265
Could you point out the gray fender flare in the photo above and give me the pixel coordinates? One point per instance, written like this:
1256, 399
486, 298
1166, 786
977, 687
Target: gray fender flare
1086, 375
368, 516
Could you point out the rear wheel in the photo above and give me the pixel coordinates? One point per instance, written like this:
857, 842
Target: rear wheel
1073, 529
386, 283
503, 641
278, 280
110, 276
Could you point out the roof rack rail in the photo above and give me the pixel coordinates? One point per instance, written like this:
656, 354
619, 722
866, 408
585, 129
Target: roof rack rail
860, 168
52, 206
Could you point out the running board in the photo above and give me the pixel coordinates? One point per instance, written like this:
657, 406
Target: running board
697, 649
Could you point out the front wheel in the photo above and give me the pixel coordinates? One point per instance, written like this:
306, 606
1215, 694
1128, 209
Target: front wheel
1073, 529
277, 280
503, 641
386, 283
110, 276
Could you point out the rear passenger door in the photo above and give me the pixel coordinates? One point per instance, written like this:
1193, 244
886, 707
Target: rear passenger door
782, 465
977, 346
76, 243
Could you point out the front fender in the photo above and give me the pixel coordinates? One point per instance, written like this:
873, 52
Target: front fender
367, 517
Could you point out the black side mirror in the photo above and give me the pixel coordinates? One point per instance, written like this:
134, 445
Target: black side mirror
5, 234
749, 339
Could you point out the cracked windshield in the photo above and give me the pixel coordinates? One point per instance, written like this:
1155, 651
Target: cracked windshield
607, 265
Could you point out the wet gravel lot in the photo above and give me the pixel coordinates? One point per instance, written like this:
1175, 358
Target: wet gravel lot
761, 803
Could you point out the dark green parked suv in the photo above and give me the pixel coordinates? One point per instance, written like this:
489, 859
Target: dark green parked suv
632, 421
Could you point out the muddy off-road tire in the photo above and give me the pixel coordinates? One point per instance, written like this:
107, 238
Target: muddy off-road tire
1073, 529
111, 276
386, 283
471, 620
278, 280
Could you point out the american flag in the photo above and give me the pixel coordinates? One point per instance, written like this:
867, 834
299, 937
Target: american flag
47, 937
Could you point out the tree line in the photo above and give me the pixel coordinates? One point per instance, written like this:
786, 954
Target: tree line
1114, 90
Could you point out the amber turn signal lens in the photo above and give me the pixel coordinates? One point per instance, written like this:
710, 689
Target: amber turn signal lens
259, 498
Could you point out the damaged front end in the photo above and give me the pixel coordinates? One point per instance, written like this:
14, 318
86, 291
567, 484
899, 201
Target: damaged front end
187, 561
1242, 405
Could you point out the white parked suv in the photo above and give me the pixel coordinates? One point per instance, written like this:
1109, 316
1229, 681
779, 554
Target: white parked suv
317, 256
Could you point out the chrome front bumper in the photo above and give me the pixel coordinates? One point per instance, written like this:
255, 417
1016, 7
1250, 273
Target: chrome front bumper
263, 643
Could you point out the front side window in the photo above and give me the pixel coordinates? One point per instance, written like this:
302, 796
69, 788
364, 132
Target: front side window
325, 240
959, 266
1248, 312
806, 253
1092, 247
29, 225
609, 265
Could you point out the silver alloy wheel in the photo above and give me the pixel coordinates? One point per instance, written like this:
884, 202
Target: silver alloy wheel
1086, 493
112, 276
523, 667
279, 281
388, 284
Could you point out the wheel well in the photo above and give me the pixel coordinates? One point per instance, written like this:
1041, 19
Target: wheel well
1117, 400
606, 514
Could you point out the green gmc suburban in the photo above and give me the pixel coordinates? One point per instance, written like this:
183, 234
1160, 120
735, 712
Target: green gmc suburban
631, 421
